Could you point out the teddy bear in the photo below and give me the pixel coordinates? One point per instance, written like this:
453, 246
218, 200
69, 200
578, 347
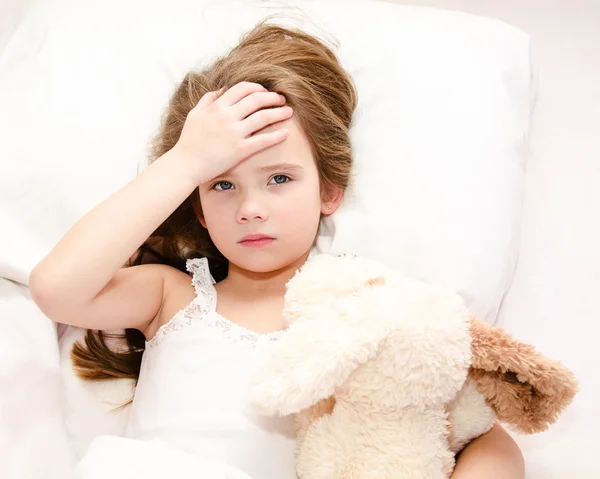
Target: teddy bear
390, 377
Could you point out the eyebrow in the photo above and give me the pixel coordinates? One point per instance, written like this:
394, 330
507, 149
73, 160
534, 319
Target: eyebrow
281, 167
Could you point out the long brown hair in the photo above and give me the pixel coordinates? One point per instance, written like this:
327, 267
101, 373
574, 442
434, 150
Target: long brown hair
286, 60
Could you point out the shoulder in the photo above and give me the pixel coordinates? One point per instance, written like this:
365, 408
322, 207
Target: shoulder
178, 292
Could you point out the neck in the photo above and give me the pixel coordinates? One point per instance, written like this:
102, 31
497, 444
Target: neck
250, 284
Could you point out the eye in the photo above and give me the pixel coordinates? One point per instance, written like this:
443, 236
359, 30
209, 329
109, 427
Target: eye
222, 186
280, 179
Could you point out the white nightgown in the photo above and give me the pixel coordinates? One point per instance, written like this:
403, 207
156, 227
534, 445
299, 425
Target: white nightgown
190, 417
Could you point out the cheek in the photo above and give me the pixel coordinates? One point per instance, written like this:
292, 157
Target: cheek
302, 206
211, 211
214, 219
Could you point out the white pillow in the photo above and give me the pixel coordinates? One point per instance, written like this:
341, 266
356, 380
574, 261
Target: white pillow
440, 133
440, 140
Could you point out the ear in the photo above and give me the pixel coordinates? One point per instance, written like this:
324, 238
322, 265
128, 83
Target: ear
526, 390
331, 200
311, 360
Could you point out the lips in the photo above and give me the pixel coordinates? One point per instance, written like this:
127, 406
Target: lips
255, 237
256, 240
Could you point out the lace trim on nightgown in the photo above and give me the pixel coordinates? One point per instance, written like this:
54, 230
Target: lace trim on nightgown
200, 307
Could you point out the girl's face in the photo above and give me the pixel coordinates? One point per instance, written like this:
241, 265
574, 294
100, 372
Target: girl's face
274, 194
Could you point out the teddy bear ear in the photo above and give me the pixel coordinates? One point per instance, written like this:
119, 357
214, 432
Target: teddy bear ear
526, 390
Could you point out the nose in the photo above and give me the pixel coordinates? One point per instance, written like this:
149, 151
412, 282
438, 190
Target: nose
252, 208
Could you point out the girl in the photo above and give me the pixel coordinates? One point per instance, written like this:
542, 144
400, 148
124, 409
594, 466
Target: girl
251, 153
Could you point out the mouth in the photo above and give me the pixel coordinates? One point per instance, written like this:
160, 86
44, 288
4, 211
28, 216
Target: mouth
256, 240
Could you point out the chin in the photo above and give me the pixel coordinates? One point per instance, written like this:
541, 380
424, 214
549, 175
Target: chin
262, 265
263, 261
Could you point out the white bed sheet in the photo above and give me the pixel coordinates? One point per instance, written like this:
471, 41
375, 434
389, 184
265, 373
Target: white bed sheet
33, 440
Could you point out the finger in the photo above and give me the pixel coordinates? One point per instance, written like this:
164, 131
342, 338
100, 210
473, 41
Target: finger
263, 118
255, 101
209, 97
262, 141
239, 91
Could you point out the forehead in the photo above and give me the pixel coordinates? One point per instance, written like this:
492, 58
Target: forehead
294, 149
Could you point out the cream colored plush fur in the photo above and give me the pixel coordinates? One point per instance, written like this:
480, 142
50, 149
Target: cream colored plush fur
377, 368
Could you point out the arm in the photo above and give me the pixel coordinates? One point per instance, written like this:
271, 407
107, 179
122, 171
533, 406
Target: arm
113, 230
80, 282
493, 455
